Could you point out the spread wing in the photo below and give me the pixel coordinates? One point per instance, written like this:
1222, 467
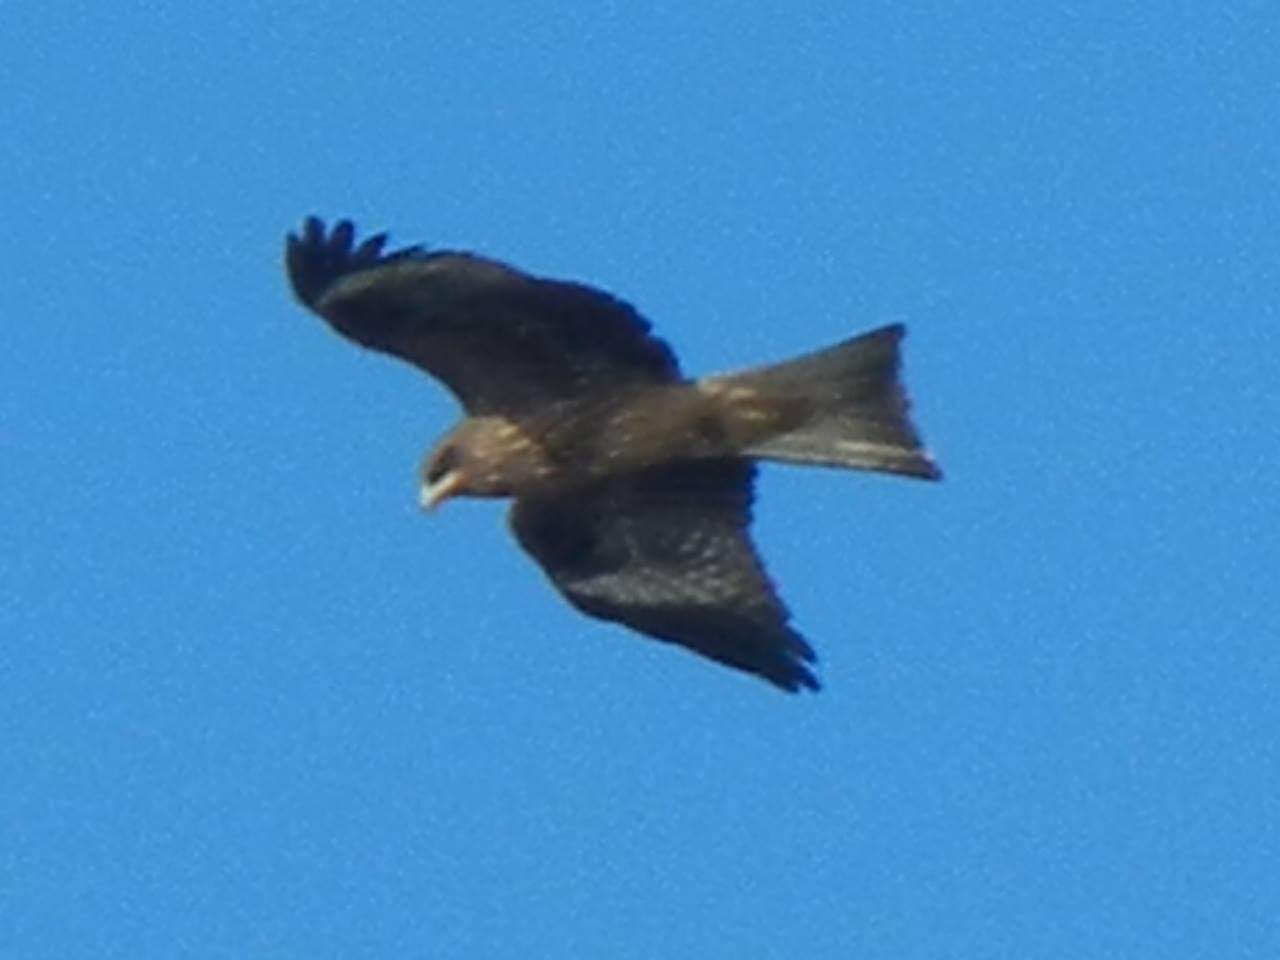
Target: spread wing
502, 341
667, 552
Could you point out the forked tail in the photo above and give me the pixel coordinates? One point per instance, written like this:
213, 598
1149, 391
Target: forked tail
856, 410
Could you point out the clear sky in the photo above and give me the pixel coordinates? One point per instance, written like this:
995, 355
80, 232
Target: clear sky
253, 704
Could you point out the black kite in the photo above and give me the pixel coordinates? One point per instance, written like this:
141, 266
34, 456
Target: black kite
632, 484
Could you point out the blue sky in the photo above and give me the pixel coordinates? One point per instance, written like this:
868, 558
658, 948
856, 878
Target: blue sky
253, 704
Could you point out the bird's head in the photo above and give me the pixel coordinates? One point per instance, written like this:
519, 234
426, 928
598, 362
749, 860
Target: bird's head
481, 457
442, 476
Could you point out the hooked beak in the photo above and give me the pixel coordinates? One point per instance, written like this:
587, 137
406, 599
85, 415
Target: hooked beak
431, 495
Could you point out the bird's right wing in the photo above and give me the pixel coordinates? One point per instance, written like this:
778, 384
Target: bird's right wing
502, 341
667, 552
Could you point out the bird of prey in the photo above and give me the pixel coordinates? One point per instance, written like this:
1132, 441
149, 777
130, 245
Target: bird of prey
632, 484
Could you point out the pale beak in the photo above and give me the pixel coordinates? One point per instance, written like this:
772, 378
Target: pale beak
431, 495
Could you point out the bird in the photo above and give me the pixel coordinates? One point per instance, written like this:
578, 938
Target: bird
632, 485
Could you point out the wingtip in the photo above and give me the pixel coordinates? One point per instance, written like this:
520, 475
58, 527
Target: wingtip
316, 257
806, 682
792, 672
797, 679
924, 467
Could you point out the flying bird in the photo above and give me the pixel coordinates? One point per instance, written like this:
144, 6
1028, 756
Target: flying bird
632, 484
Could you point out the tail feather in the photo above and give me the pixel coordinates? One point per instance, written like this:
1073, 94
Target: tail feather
857, 409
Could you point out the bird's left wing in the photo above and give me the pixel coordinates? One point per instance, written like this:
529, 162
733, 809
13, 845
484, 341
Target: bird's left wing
667, 552
502, 341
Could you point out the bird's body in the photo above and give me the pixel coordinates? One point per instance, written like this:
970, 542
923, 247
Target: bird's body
632, 484
611, 434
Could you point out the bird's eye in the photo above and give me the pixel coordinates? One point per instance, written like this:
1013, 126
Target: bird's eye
445, 461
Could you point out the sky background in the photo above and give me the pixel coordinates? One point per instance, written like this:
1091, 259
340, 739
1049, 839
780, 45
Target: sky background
253, 704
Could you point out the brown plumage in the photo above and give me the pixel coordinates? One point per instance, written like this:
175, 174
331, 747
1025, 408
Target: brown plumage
632, 485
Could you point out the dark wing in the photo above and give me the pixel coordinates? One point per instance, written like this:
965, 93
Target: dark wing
667, 552
504, 342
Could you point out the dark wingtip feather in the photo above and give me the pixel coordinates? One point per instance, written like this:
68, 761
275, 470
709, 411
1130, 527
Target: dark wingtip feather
315, 259
807, 681
792, 672
800, 678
